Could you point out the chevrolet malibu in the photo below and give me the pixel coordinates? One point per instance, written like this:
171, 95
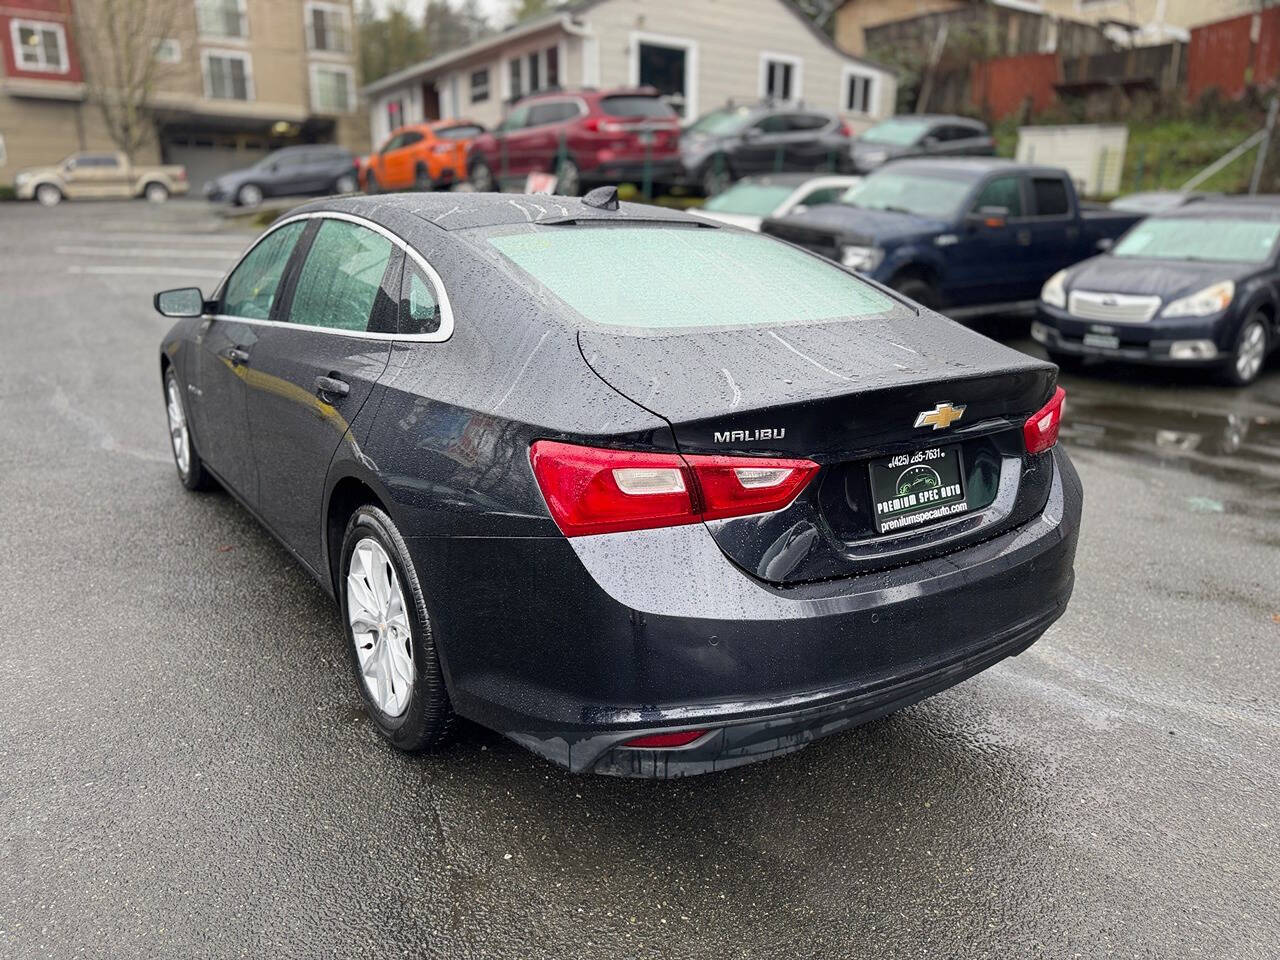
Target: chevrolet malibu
649, 495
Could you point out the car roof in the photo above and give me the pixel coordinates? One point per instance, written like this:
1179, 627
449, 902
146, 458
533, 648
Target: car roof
934, 118
465, 211
1266, 207
793, 179
553, 93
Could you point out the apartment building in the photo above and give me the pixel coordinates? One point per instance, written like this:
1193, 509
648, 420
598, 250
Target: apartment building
235, 79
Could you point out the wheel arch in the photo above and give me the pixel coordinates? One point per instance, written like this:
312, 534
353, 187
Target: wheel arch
348, 491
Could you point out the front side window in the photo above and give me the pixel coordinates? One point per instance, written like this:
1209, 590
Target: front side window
222, 18
1001, 192
227, 76
39, 46
722, 123
479, 86
340, 281
694, 278
419, 310
252, 286
332, 89
328, 28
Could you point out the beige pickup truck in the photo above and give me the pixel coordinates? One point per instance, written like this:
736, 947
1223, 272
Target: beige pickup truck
99, 175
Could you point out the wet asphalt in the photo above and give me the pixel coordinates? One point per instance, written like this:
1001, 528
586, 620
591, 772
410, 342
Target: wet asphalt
185, 769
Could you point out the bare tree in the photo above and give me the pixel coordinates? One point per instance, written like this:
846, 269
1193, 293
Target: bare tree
119, 46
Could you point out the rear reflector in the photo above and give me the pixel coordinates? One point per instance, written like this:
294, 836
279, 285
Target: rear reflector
665, 741
1041, 429
598, 490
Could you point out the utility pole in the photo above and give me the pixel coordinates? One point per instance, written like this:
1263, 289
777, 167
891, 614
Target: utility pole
1263, 146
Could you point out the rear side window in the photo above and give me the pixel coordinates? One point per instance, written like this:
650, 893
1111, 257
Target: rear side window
413, 136
464, 132
341, 278
556, 112
636, 107
808, 121
1050, 197
1001, 192
692, 277
419, 310
252, 286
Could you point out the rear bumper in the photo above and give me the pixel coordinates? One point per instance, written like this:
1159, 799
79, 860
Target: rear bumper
597, 640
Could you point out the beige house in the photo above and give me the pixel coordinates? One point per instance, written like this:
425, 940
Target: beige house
699, 53
237, 78
1136, 22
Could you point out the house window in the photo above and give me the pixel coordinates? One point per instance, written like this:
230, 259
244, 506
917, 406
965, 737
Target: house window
780, 77
39, 46
395, 113
227, 75
553, 66
535, 79
168, 51
670, 65
859, 94
517, 88
479, 86
332, 89
222, 18
328, 28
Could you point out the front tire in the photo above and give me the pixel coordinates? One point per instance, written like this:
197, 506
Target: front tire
47, 195
568, 178
1249, 354
389, 634
717, 176
191, 469
481, 176
422, 180
249, 195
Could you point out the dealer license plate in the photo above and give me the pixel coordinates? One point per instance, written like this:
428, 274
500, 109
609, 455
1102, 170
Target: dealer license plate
911, 489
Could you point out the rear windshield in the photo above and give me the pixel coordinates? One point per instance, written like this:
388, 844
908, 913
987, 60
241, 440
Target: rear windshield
923, 196
899, 133
1184, 238
759, 199
636, 107
683, 277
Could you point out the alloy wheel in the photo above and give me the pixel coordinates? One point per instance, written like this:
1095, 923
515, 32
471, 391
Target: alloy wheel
179, 435
1251, 350
249, 195
379, 619
482, 178
48, 195
347, 184
156, 193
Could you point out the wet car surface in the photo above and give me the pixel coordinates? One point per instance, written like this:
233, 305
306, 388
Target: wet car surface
186, 770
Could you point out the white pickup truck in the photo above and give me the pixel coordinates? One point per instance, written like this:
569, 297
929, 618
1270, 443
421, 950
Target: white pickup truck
97, 176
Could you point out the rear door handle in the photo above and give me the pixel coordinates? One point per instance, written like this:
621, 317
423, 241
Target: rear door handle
329, 387
237, 356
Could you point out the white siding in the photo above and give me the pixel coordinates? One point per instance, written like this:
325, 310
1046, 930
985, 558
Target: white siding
729, 37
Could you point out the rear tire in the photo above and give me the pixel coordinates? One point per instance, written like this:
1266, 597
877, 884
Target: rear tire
917, 288
155, 193
1249, 353
190, 467
380, 598
347, 183
47, 195
717, 176
249, 195
371, 185
481, 177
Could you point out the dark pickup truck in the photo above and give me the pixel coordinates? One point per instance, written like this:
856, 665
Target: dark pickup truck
964, 236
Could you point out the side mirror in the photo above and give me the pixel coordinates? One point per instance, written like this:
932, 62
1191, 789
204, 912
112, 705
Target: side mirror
994, 217
1105, 244
179, 303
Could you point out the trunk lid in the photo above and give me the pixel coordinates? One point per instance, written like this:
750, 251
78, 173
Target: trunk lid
842, 394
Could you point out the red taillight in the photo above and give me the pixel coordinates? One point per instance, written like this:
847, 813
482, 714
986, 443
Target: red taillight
597, 490
665, 741
181, 174
845, 129
1041, 429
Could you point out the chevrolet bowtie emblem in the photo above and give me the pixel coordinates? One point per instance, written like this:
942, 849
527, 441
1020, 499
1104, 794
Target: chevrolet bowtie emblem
940, 417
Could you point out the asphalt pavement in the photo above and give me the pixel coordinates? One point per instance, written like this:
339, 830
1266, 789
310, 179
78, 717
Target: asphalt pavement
186, 770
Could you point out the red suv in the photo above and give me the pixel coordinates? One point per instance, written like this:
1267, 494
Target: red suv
584, 137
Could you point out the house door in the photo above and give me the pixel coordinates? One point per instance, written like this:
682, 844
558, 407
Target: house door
666, 68
430, 103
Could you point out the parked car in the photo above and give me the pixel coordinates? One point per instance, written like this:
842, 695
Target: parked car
635, 527
1155, 201
584, 137
1195, 286
921, 135
99, 176
320, 168
739, 141
750, 200
422, 156
965, 236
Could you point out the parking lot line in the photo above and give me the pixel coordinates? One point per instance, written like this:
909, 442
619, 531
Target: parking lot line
142, 271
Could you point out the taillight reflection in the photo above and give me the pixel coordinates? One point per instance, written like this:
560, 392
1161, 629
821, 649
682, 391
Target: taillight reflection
599, 490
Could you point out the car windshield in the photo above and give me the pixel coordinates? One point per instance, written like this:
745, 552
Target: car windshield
758, 199
1241, 240
897, 133
923, 196
722, 122
692, 277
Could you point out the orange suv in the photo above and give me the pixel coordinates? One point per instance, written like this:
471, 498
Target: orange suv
420, 156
